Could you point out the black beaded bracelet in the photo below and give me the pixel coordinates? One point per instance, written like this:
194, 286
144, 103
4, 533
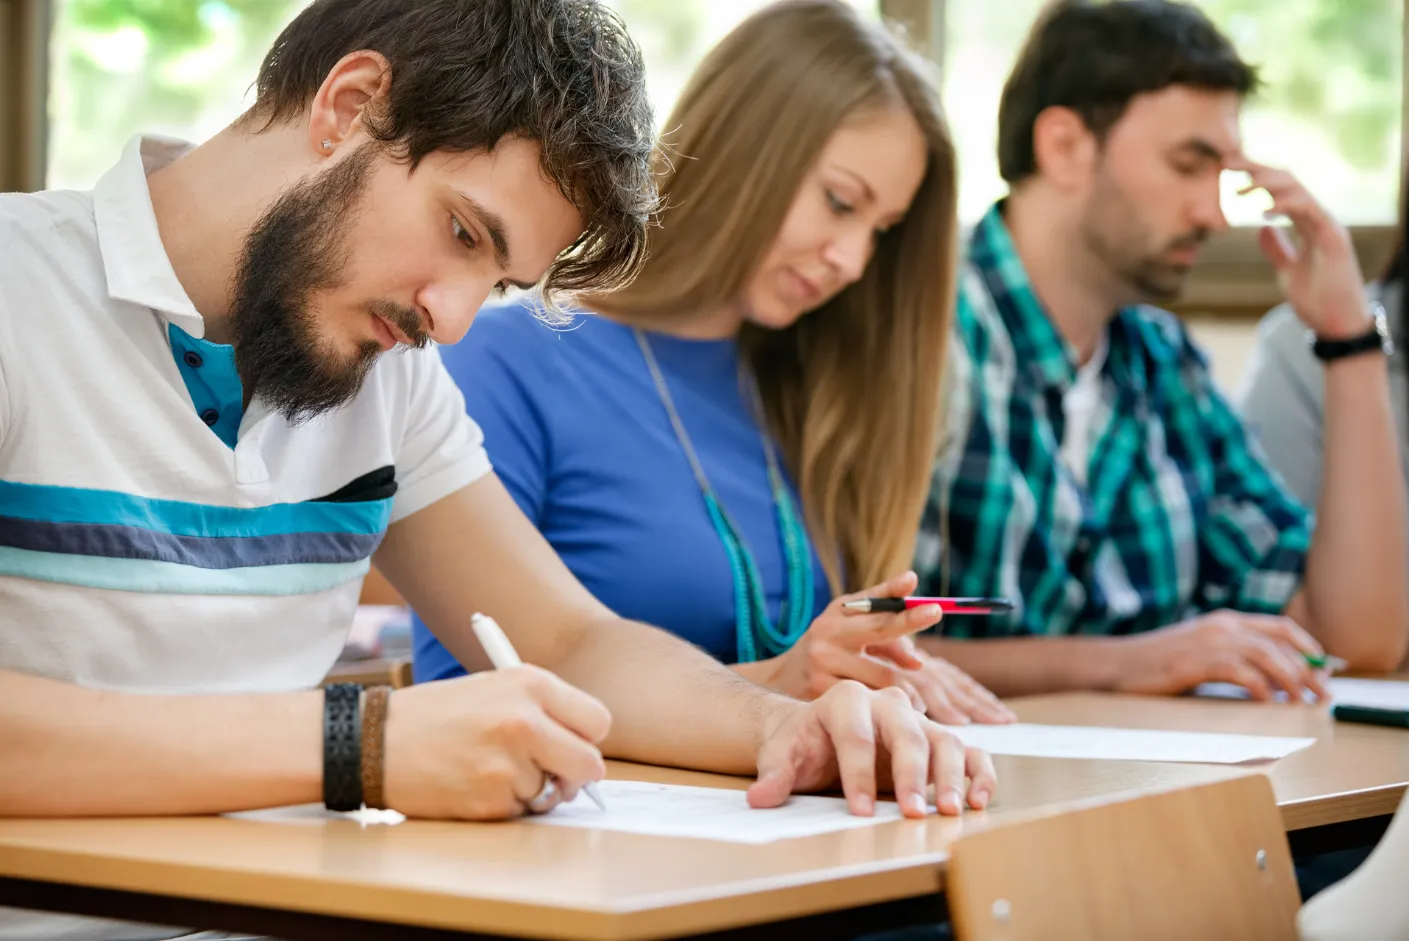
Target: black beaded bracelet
342, 747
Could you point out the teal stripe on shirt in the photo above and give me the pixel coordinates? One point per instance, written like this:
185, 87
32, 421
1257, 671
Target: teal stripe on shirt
112, 508
144, 575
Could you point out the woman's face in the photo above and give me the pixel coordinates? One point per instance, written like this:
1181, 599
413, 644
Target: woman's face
861, 184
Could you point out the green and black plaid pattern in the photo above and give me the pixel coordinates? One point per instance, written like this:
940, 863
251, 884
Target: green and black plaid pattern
1180, 513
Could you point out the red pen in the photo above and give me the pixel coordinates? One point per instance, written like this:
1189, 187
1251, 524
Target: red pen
946, 605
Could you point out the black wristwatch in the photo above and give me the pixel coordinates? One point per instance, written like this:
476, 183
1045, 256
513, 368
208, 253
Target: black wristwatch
1376, 338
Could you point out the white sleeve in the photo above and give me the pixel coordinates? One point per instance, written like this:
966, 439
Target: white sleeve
442, 450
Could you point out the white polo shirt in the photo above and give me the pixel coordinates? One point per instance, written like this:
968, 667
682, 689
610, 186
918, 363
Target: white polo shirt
154, 536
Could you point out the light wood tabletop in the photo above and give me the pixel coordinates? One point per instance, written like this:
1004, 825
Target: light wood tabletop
550, 882
1352, 772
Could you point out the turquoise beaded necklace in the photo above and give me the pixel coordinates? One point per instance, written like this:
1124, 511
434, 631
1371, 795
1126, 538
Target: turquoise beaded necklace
757, 636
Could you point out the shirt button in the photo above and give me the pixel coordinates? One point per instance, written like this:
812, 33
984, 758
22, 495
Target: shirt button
210, 416
193, 359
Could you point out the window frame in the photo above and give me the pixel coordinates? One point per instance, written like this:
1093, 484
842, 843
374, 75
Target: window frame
1232, 279
24, 71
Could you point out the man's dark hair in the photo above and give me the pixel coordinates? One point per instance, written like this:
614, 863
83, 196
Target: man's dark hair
1094, 57
467, 73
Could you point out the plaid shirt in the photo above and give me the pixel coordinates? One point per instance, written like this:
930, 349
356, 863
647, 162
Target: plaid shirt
1180, 513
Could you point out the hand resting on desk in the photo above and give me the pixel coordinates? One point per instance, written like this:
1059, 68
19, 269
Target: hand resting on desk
1261, 653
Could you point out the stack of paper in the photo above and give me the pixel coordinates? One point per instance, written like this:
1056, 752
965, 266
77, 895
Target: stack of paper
1377, 694
1066, 741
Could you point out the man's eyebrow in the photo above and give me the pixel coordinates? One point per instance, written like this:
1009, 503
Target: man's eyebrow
493, 223
1203, 148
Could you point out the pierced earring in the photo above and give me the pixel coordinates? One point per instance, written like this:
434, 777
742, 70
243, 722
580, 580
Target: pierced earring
327, 144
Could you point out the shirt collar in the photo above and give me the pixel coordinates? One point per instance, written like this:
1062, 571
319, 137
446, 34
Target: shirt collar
134, 258
1036, 342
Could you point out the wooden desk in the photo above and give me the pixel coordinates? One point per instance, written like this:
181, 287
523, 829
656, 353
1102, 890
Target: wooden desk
1353, 771
334, 879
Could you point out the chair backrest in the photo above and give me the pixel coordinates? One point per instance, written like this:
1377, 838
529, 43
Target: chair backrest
1203, 862
400, 674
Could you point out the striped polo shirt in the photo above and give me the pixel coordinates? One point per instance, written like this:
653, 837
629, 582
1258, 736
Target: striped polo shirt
155, 535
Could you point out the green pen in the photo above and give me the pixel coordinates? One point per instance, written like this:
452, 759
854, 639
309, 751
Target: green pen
1325, 662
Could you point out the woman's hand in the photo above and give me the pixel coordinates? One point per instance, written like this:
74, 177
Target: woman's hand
876, 649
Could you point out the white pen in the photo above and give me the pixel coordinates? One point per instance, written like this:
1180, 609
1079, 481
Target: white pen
503, 655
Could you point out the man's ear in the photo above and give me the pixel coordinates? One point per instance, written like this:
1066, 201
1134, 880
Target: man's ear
1063, 147
339, 107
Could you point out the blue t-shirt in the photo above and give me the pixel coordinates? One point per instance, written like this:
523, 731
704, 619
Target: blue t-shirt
577, 432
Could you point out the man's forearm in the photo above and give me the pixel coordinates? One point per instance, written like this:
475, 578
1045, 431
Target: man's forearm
1027, 666
671, 703
1358, 607
73, 751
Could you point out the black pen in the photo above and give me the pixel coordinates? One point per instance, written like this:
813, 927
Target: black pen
1397, 718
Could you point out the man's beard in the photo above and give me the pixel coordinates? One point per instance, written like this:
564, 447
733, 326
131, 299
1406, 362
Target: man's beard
1113, 234
298, 249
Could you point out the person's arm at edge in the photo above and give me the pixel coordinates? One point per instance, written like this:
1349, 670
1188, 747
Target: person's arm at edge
75, 751
1295, 408
1286, 401
1355, 567
475, 551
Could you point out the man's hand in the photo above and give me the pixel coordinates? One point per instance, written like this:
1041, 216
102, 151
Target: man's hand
849, 734
478, 747
1319, 275
1262, 653
876, 650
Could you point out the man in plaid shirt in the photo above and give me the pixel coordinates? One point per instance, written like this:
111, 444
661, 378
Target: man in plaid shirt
1092, 471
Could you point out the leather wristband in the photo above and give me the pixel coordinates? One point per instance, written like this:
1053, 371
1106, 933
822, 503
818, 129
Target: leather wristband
373, 740
342, 747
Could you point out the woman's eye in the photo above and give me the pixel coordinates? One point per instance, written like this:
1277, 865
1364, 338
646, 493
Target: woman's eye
837, 205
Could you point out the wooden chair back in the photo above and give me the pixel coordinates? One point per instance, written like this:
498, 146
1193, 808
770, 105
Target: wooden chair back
1202, 862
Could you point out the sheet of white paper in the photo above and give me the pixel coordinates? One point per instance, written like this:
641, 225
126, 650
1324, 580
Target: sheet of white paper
1067, 741
1378, 694
1234, 691
707, 813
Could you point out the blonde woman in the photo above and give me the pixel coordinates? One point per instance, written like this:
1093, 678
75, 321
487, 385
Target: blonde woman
742, 439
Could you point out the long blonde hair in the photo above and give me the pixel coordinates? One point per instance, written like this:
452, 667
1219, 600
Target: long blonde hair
851, 391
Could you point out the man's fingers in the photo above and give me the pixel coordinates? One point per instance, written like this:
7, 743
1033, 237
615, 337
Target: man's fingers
901, 732
1234, 669
983, 780
1280, 669
848, 720
1284, 629
777, 773
569, 706
1280, 251
571, 759
948, 766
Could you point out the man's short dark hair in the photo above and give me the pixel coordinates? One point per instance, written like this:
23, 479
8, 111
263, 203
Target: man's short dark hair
467, 73
1094, 57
